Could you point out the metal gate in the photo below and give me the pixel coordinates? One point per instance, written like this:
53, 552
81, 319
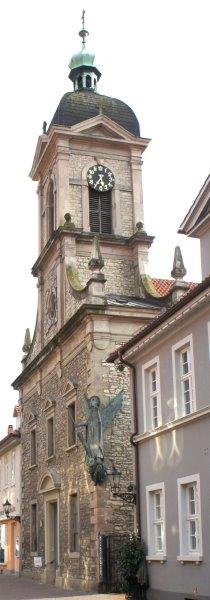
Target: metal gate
109, 576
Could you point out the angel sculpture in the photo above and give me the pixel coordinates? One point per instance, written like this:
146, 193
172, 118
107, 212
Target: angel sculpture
96, 423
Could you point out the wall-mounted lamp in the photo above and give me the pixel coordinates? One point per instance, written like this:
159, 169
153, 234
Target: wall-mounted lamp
7, 508
114, 478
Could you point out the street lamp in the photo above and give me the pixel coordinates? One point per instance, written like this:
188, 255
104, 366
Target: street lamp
114, 478
7, 508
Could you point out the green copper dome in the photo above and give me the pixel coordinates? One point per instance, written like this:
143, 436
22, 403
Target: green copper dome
82, 58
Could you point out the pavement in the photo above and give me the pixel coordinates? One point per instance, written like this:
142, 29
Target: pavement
18, 588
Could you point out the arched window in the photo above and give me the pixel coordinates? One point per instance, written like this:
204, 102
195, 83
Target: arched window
100, 211
88, 81
50, 209
80, 82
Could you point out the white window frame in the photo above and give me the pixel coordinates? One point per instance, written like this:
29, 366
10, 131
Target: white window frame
13, 465
6, 471
185, 344
188, 554
147, 369
153, 521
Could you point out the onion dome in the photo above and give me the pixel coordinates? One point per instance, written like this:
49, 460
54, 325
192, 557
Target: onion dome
82, 58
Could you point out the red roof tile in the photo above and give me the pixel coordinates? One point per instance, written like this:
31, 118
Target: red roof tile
163, 286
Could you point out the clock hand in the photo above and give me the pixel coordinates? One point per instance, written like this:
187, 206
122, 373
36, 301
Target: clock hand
100, 180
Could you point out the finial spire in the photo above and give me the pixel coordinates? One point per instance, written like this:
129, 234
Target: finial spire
96, 262
27, 341
178, 271
83, 33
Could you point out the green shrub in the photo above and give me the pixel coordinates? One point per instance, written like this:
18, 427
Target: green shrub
133, 567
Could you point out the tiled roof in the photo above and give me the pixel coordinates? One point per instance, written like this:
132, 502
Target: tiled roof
193, 292
164, 286
76, 107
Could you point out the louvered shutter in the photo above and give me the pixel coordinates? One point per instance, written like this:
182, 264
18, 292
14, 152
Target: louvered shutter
100, 210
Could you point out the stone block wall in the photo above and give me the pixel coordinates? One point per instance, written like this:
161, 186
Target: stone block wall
98, 510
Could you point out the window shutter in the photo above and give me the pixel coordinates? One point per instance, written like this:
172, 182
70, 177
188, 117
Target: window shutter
100, 210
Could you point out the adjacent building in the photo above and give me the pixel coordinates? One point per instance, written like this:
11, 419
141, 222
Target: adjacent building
169, 362
10, 500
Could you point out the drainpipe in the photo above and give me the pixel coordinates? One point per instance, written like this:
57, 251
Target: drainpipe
134, 444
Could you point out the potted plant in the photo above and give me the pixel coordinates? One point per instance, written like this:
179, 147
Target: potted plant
133, 568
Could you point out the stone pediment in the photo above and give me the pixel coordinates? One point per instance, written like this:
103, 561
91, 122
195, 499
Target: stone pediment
98, 127
102, 126
70, 387
49, 481
32, 417
49, 404
101, 131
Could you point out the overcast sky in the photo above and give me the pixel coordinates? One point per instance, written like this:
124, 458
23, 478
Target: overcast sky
154, 55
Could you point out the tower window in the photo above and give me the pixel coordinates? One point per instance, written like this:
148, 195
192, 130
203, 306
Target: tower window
80, 82
88, 81
50, 209
100, 210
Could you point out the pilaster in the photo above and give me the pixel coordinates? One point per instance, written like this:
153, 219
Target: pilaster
136, 175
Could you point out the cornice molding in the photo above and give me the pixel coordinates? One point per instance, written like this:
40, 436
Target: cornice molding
172, 425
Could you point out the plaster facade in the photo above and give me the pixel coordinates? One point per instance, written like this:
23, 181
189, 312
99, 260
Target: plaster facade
10, 489
173, 455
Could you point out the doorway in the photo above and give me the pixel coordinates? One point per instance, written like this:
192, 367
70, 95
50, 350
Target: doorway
51, 540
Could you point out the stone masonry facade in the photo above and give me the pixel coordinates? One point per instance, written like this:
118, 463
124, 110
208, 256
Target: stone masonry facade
78, 325
99, 511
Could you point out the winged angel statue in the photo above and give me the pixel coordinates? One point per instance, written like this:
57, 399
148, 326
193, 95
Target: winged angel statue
96, 423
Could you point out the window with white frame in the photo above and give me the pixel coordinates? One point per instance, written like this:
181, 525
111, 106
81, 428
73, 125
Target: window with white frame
155, 498
13, 468
151, 394
6, 471
190, 533
183, 377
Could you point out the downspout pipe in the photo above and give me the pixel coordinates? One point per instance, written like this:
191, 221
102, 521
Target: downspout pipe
134, 444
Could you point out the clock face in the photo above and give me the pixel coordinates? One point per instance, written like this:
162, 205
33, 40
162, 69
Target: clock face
100, 178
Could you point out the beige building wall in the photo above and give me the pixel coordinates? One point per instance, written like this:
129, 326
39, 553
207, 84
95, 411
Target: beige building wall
10, 489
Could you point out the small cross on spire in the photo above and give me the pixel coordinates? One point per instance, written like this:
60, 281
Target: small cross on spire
83, 33
83, 19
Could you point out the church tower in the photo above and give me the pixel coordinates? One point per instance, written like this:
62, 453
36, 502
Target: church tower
92, 279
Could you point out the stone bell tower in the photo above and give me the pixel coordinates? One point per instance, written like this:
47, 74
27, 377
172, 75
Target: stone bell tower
91, 269
88, 132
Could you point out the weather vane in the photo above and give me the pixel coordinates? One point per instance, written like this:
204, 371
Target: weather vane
83, 19
83, 33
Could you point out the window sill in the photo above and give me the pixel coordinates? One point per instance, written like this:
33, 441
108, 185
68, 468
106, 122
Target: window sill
174, 424
196, 558
74, 554
49, 458
157, 558
70, 448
